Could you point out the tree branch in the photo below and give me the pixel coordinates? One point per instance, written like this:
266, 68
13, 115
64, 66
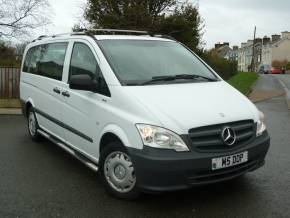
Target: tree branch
19, 17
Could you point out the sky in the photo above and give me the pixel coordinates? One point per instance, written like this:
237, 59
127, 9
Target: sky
234, 20
64, 14
225, 20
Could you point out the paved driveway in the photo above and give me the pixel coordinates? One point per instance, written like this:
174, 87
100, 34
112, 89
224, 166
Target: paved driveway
41, 180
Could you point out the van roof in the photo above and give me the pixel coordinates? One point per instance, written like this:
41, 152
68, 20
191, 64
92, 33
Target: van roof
103, 34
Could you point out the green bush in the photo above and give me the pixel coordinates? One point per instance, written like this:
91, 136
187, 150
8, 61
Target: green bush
225, 68
8, 55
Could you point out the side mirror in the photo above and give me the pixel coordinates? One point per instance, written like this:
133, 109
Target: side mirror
82, 82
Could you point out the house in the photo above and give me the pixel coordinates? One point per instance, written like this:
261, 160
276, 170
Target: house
266, 51
233, 54
258, 43
224, 50
245, 56
277, 50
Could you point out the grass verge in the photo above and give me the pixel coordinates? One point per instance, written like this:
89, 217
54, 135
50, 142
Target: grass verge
244, 81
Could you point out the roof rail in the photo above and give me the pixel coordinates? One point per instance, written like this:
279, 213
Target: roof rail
164, 36
52, 36
91, 32
42, 36
39, 38
110, 31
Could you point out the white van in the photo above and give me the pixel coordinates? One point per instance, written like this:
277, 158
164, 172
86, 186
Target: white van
143, 110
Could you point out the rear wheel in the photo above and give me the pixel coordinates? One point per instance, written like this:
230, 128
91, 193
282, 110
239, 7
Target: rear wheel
32, 125
117, 172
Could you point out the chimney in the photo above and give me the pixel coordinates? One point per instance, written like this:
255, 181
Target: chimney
266, 40
285, 34
243, 44
276, 37
218, 45
257, 40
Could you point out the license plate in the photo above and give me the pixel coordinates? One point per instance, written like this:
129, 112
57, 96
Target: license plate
228, 161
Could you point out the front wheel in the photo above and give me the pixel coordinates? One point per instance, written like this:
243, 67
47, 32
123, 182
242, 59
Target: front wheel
117, 172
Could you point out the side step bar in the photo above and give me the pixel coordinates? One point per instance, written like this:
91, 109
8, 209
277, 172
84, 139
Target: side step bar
71, 151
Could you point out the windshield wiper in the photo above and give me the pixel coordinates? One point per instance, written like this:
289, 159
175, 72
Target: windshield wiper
176, 77
194, 76
158, 78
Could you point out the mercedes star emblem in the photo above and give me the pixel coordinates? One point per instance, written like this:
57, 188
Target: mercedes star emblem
228, 136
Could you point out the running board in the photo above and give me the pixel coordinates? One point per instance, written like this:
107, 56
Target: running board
71, 151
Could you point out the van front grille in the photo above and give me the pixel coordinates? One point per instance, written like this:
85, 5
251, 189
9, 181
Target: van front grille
208, 138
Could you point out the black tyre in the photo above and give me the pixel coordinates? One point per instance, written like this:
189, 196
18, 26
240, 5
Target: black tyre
32, 125
117, 172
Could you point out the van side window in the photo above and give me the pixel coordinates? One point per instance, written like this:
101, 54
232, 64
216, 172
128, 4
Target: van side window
52, 60
31, 60
46, 60
83, 61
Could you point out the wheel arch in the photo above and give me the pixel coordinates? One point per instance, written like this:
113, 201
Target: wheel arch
112, 133
26, 105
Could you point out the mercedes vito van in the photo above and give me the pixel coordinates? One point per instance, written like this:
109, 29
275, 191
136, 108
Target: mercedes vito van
144, 111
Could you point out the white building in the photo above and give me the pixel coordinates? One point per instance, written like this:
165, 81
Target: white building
277, 50
245, 56
266, 51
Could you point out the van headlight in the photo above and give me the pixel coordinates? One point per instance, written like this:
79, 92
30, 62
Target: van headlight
261, 126
158, 137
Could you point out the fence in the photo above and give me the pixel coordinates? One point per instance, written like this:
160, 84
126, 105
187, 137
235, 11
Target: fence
9, 82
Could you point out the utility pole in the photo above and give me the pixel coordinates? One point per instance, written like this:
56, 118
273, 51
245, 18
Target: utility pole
253, 52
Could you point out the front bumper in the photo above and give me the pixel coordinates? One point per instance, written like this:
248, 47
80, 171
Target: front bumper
167, 170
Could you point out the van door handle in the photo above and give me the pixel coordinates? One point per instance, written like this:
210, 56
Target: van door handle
56, 90
66, 94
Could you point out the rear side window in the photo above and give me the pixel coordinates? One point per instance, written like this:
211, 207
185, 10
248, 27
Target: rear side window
46, 60
31, 60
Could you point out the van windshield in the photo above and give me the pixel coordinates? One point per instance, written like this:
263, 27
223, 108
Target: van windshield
143, 62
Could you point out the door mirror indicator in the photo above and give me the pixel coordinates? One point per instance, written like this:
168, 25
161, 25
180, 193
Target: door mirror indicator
83, 82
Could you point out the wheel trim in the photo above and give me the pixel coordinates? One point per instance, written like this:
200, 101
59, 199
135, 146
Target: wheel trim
32, 124
119, 172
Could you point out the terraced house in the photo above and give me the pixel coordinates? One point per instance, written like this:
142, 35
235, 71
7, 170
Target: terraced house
277, 50
266, 51
245, 56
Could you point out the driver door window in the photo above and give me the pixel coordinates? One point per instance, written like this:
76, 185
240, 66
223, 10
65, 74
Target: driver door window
83, 61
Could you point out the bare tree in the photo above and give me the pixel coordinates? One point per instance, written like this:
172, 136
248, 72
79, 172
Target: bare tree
18, 18
279, 64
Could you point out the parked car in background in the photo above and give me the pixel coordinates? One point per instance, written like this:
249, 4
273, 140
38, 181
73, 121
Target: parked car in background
264, 69
276, 70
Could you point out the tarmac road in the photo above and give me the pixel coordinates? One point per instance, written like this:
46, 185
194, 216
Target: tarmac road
285, 78
41, 180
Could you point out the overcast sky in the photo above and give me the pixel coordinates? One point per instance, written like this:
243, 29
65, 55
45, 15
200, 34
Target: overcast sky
234, 20
225, 20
